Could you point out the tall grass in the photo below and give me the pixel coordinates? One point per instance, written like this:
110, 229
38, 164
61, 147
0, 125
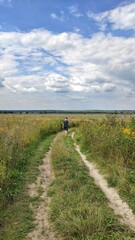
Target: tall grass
17, 219
111, 143
78, 208
17, 134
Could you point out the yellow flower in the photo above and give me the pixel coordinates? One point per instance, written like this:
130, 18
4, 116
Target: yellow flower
127, 131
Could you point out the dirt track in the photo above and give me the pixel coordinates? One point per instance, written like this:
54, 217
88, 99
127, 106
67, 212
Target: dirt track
120, 207
43, 230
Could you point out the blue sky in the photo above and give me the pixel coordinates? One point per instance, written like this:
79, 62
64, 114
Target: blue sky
67, 54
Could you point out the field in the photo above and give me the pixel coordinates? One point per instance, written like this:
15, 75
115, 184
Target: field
111, 144
78, 208
17, 134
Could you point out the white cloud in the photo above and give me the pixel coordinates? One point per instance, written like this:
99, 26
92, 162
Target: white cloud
8, 65
56, 82
27, 83
20, 88
40, 61
122, 17
77, 30
35, 69
60, 17
74, 11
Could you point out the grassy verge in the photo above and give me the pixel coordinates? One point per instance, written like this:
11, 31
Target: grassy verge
117, 174
78, 208
17, 218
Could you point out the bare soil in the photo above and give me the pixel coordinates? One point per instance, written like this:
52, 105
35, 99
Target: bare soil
121, 208
43, 230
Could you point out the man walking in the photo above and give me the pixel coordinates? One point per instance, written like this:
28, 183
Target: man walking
66, 126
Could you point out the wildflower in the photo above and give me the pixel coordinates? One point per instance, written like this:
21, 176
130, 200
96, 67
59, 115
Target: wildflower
127, 131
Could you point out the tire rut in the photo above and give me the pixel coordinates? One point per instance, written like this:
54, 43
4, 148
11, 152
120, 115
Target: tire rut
121, 208
43, 229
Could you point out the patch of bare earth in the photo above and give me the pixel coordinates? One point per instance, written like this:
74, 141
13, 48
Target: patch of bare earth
43, 229
120, 207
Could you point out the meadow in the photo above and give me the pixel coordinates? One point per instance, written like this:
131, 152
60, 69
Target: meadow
79, 210
17, 134
108, 141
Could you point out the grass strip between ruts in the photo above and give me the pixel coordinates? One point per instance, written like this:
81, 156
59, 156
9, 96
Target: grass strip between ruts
18, 217
78, 207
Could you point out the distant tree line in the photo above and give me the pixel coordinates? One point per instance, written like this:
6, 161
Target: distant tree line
67, 112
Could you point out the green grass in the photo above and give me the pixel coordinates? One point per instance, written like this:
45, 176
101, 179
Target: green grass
117, 174
78, 207
17, 218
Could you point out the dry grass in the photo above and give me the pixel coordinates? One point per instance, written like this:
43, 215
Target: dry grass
78, 207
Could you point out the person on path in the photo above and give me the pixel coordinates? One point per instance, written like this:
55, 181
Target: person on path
66, 126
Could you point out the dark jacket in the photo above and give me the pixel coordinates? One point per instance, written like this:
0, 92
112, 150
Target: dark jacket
66, 124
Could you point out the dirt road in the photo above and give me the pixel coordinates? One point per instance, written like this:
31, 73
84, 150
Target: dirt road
120, 207
43, 230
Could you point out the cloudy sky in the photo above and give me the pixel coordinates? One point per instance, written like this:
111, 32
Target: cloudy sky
67, 54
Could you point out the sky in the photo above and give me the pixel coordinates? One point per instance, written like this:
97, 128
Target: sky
67, 54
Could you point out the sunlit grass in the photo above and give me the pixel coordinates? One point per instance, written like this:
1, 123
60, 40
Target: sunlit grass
78, 207
111, 144
17, 134
17, 219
